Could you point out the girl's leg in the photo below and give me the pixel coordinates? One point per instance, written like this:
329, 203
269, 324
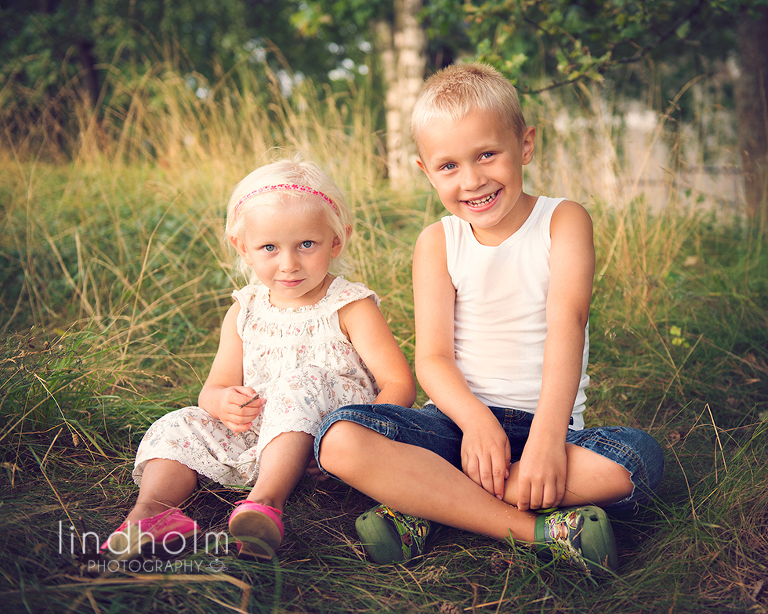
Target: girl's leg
283, 463
418, 482
192, 436
284, 459
164, 484
258, 529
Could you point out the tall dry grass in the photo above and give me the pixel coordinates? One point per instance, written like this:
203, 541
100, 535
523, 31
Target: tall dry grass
126, 237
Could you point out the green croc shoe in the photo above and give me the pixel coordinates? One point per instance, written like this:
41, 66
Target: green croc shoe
580, 535
391, 537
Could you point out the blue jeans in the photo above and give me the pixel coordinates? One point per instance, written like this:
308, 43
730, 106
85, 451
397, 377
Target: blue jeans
429, 428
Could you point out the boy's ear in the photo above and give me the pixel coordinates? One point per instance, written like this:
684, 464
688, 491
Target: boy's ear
528, 144
421, 166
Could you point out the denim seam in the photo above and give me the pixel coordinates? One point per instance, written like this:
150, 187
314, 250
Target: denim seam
387, 427
640, 473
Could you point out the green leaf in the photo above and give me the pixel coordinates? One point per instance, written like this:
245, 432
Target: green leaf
683, 31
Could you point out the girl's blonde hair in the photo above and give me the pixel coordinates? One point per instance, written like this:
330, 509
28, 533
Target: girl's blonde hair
294, 181
458, 89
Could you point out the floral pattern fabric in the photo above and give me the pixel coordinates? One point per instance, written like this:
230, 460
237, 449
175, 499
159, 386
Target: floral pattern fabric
298, 359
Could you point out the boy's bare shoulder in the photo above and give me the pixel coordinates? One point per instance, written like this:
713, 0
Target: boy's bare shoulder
570, 205
570, 212
432, 235
429, 253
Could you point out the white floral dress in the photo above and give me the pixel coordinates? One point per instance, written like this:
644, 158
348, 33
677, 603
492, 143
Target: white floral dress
298, 359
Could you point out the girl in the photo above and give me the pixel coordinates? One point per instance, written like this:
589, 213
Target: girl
296, 344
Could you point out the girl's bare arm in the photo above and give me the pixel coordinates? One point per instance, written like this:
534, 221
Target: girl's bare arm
223, 395
369, 333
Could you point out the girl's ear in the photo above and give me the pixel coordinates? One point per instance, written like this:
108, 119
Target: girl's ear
240, 247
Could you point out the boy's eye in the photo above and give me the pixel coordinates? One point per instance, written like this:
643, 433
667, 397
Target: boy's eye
449, 167
307, 244
486, 155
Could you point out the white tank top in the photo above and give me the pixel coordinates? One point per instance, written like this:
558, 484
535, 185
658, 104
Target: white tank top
500, 313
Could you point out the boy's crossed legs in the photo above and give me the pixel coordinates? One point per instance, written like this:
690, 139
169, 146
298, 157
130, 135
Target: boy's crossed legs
409, 460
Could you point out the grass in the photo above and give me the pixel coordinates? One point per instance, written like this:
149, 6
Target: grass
114, 280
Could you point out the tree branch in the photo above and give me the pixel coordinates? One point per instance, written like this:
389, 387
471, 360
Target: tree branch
636, 57
662, 38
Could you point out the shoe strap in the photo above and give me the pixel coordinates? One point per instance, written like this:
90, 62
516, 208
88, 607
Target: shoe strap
412, 531
563, 536
248, 501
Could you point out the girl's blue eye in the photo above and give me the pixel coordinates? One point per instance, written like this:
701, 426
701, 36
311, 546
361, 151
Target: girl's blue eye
307, 244
269, 248
486, 155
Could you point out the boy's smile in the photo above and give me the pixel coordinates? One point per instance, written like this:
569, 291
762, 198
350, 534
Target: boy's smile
484, 203
476, 167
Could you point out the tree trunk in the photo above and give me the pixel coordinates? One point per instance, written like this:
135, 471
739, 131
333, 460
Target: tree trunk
90, 75
410, 46
752, 108
402, 48
384, 38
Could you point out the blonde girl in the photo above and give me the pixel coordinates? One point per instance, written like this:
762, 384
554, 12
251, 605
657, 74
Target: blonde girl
296, 344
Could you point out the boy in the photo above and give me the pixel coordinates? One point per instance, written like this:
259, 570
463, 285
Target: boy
502, 290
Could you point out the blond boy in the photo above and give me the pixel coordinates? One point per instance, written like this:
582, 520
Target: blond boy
502, 288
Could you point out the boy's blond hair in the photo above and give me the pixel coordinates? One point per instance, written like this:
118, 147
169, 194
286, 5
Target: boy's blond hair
460, 88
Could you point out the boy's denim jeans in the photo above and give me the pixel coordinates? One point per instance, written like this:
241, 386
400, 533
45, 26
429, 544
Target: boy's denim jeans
429, 428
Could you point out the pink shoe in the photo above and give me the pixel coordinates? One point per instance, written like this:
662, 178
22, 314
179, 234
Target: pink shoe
257, 529
169, 529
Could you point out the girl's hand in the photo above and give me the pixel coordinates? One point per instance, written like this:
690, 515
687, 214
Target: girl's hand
223, 396
238, 407
314, 471
541, 475
486, 454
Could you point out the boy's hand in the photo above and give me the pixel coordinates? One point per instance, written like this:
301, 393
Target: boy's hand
485, 455
541, 475
238, 408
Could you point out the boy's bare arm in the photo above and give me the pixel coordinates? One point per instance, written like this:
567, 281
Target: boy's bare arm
485, 447
543, 466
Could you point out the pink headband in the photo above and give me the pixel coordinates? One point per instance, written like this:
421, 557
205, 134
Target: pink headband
284, 187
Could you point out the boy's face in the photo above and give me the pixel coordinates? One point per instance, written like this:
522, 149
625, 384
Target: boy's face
476, 166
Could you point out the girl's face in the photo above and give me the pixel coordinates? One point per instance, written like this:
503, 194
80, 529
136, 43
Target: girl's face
290, 248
